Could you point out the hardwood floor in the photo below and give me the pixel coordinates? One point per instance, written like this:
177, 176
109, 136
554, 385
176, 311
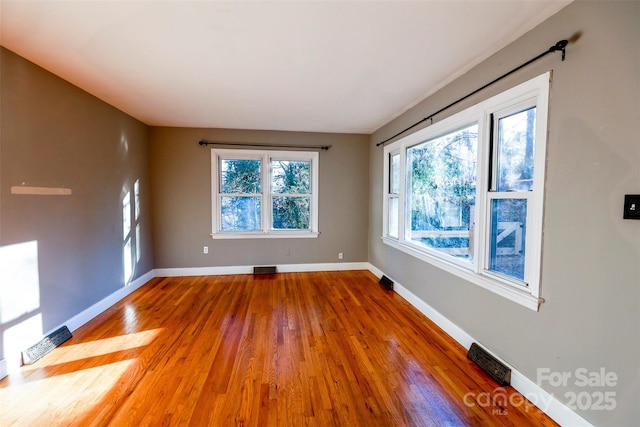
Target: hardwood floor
292, 349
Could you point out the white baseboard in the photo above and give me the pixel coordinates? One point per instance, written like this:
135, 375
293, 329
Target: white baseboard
546, 402
200, 271
334, 266
3, 368
84, 316
248, 269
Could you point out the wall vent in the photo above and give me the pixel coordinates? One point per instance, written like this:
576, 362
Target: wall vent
265, 270
46, 345
386, 283
489, 364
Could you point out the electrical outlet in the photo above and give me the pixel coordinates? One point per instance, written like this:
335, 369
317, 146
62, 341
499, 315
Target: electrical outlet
340, 255
205, 250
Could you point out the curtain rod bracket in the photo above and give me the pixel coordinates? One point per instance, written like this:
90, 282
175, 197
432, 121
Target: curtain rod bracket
560, 46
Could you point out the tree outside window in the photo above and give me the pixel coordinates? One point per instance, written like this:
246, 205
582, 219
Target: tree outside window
264, 193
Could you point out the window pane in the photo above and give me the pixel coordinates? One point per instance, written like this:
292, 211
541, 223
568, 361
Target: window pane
441, 193
241, 213
393, 217
290, 177
515, 151
394, 174
508, 235
240, 176
291, 213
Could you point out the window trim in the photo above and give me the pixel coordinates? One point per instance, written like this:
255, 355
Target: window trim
399, 196
266, 195
534, 92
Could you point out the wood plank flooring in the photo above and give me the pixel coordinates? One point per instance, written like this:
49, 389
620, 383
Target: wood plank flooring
292, 349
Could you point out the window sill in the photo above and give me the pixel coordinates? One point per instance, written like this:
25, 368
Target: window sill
269, 235
519, 296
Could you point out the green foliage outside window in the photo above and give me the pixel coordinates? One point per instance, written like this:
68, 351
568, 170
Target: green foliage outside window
291, 181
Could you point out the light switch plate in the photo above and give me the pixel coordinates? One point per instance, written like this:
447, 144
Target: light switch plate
631, 206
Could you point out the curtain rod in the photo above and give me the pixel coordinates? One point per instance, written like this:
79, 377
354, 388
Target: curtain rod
250, 144
558, 47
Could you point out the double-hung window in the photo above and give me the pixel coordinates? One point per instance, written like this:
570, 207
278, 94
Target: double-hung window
466, 194
264, 193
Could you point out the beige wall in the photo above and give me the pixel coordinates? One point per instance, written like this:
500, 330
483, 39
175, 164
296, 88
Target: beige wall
591, 316
181, 194
53, 134
56, 135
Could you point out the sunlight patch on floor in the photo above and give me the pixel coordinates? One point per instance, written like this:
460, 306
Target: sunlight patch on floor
42, 408
78, 352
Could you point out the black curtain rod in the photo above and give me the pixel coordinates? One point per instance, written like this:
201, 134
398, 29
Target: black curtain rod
560, 46
249, 144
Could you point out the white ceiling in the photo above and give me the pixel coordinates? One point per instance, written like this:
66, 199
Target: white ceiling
325, 66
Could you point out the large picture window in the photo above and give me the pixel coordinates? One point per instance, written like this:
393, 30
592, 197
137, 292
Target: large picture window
441, 191
466, 194
264, 194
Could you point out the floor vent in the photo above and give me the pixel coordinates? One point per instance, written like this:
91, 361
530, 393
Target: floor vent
494, 368
386, 283
46, 345
264, 270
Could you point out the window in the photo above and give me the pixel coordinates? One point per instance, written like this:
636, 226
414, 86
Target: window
510, 189
441, 191
264, 194
394, 192
466, 194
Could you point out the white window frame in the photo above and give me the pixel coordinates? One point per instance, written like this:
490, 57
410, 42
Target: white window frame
265, 156
389, 195
534, 92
